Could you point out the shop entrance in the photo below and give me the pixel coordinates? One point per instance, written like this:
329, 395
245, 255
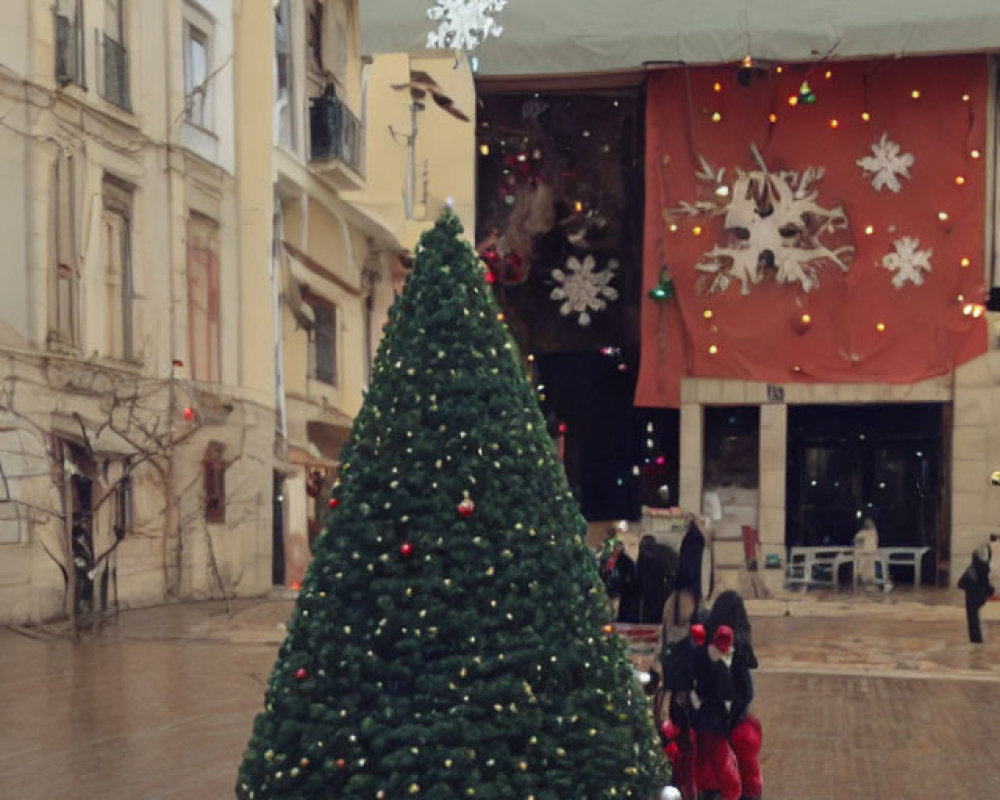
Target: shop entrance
846, 463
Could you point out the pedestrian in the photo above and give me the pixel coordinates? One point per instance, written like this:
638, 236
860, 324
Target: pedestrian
867, 563
744, 728
717, 772
975, 582
655, 568
618, 572
682, 635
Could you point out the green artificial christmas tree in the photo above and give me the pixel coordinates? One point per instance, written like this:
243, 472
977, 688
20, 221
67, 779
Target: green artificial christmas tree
449, 639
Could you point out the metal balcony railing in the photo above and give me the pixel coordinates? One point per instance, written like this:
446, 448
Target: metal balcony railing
69, 64
115, 88
334, 132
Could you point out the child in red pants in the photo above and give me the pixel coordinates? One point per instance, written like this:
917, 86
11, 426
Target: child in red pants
728, 737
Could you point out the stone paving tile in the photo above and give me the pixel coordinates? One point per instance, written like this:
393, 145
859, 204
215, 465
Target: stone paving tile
828, 737
879, 702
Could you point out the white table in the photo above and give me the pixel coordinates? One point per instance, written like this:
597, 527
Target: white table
807, 566
906, 557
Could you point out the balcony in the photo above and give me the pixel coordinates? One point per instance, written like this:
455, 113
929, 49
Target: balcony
336, 141
115, 73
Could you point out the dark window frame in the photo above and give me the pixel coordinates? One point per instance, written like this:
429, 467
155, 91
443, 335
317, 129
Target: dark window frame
323, 361
213, 467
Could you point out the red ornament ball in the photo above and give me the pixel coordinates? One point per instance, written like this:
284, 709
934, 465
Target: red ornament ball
301, 674
562, 427
466, 507
672, 752
406, 549
188, 413
669, 730
334, 502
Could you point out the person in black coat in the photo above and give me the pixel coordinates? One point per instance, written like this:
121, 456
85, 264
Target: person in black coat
975, 582
655, 567
622, 582
742, 729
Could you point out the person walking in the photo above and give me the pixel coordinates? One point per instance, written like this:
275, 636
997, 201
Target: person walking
975, 582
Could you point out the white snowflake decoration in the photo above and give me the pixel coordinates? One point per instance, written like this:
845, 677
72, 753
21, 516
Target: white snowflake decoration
583, 289
775, 224
464, 24
885, 163
908, 262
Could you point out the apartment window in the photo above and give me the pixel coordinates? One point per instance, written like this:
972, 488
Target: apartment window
203, 299
68, 18
284, 106
214, 479
197, 57
115, 66
314, 34
116, 240
63, 321
323, 342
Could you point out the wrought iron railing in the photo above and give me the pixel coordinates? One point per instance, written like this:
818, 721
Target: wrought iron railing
116, 73
334, 132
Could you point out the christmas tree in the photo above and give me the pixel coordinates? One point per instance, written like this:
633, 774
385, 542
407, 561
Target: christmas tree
450, 637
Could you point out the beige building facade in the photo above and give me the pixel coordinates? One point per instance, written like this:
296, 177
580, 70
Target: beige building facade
360, 166
133, 426
203, 244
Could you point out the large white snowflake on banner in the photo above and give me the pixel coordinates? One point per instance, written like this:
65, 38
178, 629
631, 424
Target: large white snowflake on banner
464, 24
582, 288
775, 227
907, 262
886, 163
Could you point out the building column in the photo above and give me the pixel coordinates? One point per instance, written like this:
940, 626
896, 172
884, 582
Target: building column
691, 454
773, 465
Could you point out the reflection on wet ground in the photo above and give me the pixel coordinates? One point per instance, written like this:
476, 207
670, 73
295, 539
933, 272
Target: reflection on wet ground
864, 698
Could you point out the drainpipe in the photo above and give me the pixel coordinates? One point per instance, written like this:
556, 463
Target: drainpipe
277, 235
171, 524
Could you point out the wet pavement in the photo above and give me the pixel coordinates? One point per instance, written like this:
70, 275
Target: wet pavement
866, 697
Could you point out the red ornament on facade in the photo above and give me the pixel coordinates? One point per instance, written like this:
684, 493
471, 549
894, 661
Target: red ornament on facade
188, 413
334, 502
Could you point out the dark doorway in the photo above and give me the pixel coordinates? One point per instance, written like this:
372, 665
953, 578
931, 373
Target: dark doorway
880, 461
82, 523
278, 530
83, 544
732, 447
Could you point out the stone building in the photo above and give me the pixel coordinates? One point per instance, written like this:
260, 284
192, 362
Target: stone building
206, 206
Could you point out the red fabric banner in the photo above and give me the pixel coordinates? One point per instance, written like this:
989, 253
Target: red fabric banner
839, 239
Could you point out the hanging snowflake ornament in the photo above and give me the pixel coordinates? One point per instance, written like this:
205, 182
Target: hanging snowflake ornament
463, 24
775, 227
886, 163
908, 262
583, 289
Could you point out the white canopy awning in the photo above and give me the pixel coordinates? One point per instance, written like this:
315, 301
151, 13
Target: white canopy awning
547, 37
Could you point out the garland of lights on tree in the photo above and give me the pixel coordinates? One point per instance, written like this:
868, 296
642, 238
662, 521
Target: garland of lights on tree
451, 636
